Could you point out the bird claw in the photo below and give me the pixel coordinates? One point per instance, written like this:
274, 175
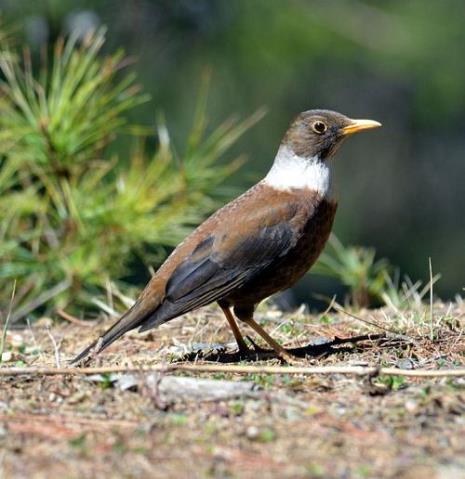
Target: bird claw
294, 361
259, 352
256, 347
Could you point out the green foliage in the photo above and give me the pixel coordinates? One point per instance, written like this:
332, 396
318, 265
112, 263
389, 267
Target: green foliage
356, 268
106, 381
371, 282
393, 383
73, 215
407, 294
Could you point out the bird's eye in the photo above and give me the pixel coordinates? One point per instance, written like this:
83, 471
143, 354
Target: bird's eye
319, 127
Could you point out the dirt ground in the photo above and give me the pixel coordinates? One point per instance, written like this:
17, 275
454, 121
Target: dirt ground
286, 426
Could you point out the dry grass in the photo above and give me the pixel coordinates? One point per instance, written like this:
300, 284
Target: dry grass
295, 426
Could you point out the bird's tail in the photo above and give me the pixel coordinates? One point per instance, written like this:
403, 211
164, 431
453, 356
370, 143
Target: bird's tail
133, 318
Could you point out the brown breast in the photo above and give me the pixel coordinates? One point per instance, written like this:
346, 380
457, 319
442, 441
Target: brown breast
314, 222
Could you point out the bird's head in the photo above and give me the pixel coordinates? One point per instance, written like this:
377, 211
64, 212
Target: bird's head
313, 137
319, 133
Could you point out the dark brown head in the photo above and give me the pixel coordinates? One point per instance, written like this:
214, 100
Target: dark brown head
318, 133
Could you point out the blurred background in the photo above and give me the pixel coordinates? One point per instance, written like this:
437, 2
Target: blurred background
401, 188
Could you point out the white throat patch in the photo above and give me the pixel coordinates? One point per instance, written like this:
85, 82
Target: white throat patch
292, 171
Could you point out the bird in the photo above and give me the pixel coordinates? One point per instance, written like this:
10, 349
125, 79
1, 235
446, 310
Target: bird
260, 243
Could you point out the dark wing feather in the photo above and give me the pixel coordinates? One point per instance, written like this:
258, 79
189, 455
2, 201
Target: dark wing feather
218, 271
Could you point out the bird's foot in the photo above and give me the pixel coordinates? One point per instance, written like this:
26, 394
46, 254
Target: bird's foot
244, 350
257, 352
288, 357
256, 347
293, 360
254, 352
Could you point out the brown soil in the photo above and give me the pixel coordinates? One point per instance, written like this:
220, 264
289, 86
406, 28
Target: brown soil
292, 427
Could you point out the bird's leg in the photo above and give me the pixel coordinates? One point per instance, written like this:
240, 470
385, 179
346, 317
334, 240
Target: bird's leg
280, 351
243, 348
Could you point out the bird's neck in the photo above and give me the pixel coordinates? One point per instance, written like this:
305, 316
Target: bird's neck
291, 171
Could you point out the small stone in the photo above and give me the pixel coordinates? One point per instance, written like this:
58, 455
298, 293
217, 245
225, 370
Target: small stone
16, 340
44, 322
320, 341
78, 397
411, 406
405, 363
7, 356
252, 432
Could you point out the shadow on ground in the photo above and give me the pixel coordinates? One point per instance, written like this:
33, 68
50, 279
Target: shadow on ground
320, 348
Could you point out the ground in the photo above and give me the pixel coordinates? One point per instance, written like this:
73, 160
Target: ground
286, 426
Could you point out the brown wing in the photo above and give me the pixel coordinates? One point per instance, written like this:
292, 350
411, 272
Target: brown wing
227, 261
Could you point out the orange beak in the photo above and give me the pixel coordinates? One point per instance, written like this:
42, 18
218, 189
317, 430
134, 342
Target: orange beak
360, 125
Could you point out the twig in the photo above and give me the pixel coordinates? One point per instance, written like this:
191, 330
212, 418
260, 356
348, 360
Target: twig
22, 291
431, 324
56, 348
340, 309
7, 321
329, 308
63, 314
34, 340
109, 294
236, 369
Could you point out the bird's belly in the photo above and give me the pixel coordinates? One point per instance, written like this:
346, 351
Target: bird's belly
286, 270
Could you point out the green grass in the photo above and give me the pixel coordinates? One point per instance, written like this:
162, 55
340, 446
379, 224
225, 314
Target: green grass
81, 213
357, 268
